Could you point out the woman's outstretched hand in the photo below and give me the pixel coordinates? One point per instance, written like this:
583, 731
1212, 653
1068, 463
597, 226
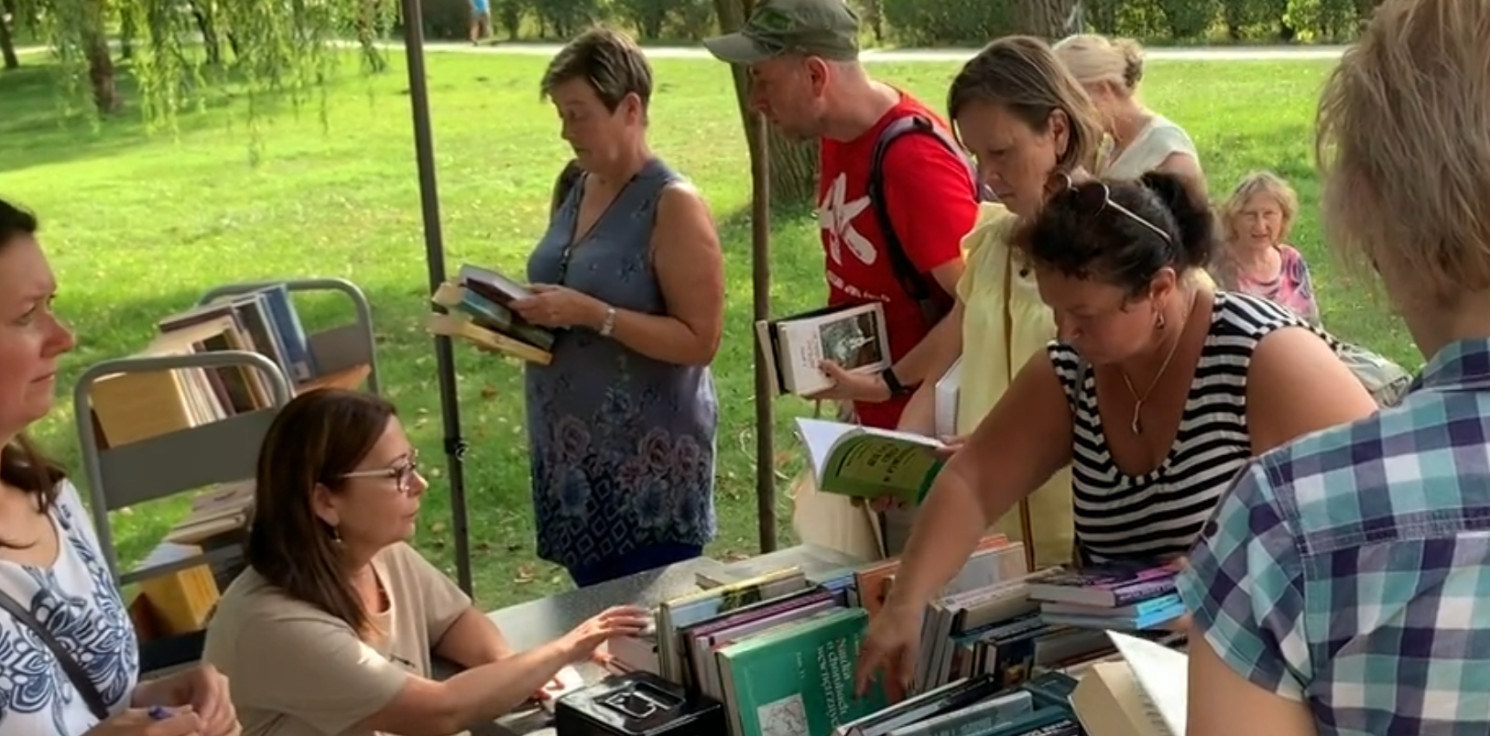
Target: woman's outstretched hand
890, 648
581, 643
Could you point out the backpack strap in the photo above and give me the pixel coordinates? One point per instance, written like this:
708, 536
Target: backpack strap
934, 300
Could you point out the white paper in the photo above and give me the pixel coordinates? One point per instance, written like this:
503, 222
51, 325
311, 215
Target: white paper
1163, 673
946, 397
820, 436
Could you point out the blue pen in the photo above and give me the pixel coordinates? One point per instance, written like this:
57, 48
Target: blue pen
159, 713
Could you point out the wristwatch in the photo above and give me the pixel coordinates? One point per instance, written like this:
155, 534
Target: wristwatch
893, 382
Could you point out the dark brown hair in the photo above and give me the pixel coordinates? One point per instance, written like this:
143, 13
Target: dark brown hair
609, 60
1083, 236
318, 437
22, 465
1022, 74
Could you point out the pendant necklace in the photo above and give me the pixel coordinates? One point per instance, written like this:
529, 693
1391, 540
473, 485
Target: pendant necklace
1137, 425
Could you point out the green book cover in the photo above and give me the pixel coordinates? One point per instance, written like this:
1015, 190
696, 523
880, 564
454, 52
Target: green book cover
799, 680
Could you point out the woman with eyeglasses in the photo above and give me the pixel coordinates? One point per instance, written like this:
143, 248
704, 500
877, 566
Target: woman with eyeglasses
1156, 392
332, 627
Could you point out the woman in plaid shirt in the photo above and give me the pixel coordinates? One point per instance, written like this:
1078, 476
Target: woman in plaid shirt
1343, 586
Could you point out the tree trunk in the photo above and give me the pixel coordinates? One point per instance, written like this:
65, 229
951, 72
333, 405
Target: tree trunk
1044, 18
793, 163
101, 72
7, 45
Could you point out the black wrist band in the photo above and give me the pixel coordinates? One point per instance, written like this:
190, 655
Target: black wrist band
893, 382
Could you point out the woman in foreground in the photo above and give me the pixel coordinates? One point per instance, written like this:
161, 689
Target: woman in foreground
50, 564
1158, 390
331, 628
1341, 587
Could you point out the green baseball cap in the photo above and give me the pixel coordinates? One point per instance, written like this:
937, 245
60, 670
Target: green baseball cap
826, 28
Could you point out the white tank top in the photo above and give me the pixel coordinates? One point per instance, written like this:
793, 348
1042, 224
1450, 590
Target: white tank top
1154, 143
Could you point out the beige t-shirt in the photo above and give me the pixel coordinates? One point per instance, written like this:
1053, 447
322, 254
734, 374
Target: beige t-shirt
295, 670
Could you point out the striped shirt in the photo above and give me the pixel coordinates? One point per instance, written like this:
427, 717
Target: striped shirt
1159, 513
1350, 569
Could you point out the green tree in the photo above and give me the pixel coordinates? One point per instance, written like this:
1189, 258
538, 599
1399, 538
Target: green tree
277, 46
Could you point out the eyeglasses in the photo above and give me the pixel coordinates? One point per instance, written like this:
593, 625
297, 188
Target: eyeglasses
403, 473
1095, 196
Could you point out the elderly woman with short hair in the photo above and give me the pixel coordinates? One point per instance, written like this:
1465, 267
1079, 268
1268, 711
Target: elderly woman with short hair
629, 273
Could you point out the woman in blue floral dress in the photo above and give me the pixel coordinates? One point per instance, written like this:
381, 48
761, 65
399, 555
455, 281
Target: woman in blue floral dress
621, 424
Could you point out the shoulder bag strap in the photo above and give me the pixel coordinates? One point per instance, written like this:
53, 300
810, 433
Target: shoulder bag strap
80, 680
1026, 526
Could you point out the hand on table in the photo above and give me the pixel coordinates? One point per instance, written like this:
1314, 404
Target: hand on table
581, 643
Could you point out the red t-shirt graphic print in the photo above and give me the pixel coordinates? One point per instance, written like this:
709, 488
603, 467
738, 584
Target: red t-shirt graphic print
931, 202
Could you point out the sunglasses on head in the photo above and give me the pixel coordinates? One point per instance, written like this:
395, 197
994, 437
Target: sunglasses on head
1094, 196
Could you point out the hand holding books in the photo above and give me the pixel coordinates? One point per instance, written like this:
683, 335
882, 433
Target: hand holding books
850, 385
559, 306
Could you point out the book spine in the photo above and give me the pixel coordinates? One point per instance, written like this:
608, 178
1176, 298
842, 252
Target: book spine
1130, 594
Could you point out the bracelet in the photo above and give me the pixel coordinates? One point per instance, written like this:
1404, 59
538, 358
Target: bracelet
608, 325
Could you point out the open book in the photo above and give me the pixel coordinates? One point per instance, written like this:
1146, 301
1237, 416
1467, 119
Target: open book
1145, 694
865, 462
854, 337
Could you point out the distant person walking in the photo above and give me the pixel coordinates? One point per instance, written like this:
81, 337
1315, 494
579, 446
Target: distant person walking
480, 20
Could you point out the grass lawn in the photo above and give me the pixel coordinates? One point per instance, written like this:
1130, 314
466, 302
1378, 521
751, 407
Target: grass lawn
139, 226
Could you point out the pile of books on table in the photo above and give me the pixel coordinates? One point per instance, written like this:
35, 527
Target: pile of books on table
782, 646
1130, 596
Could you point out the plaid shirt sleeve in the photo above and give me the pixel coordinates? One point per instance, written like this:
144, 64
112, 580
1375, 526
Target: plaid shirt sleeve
1244, 587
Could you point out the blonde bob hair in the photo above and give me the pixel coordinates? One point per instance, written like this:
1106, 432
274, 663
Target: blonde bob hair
1403, 144
1251, 185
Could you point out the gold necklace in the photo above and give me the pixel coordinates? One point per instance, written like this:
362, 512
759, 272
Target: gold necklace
1137, 425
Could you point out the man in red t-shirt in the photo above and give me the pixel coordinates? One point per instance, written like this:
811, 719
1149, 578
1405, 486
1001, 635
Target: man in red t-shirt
806, 78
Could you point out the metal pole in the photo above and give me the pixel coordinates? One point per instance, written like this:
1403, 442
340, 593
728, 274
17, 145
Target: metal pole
760, 282
434, 245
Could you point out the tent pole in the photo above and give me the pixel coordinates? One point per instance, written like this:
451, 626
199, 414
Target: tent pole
434, 245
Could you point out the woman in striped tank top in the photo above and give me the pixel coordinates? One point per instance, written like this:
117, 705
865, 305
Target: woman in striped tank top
1156, 392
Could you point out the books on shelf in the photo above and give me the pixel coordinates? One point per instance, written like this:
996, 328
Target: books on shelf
214, 513
866, 462
138, 405
476, 305
854, 337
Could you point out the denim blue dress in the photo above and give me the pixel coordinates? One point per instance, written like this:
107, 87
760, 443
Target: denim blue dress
622, 446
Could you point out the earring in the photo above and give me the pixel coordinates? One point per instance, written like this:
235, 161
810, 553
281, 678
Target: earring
1159, 321
335, 535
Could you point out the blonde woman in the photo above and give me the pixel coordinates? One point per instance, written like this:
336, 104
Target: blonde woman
1254, 257
1341, 587
1139, 140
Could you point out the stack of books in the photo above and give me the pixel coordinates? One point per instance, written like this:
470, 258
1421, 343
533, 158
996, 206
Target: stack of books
476, 310
1127, 596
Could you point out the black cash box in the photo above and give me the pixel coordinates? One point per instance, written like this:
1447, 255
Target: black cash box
638, 704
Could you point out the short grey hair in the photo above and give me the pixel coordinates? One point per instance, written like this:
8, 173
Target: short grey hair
609, 60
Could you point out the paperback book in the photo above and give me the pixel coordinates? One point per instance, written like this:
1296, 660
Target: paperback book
854, 337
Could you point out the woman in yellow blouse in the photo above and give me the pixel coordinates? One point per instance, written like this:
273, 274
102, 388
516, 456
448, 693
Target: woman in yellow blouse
1029, 124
